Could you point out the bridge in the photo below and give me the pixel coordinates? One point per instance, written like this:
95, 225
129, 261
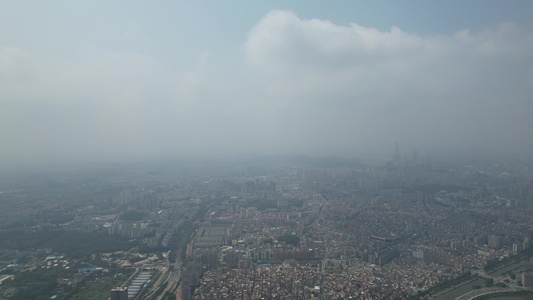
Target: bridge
483, 274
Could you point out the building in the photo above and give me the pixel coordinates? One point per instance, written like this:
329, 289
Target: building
494, 241
120, 293
396, 157
527, 279
527, 243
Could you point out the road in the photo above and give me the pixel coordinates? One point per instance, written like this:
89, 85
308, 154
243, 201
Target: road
487, 291
173, 279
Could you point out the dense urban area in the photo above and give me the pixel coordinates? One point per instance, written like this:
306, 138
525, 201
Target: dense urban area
273, 227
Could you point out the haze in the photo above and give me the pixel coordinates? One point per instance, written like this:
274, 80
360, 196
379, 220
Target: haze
84, 80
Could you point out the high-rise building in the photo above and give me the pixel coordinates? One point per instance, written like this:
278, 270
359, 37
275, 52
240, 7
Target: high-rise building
415, 156
494, 241
526, 244
527, 279
120, 293
396, 153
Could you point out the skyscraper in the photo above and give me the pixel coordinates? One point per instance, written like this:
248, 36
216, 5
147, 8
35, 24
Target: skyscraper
415, 156
396, 153
494, 241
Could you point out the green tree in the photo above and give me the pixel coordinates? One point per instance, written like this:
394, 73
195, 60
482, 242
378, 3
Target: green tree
489, 282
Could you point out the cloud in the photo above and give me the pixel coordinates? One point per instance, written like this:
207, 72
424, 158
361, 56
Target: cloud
301, 86
281, 41
463, 90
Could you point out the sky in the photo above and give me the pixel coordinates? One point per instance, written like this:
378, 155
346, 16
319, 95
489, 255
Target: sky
115, 80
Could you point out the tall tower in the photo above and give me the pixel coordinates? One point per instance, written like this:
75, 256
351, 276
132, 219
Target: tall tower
415, 156
396, 153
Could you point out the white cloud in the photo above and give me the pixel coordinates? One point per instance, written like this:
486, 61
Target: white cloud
467, 89
281, 41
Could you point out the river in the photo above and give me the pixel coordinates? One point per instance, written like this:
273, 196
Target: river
460, 290
511, 267
467, 287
